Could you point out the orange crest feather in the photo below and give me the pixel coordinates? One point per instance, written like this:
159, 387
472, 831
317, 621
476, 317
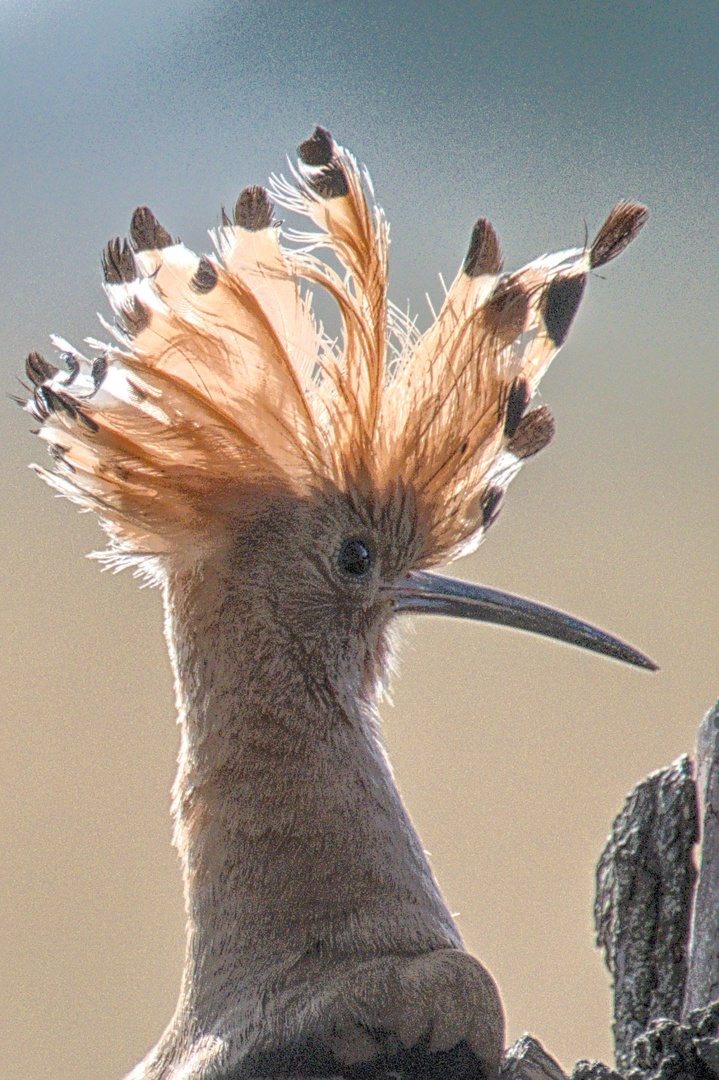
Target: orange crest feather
221, 382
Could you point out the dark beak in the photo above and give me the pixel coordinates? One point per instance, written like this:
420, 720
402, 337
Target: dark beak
435, 595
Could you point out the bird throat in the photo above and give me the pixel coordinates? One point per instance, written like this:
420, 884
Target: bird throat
295, 846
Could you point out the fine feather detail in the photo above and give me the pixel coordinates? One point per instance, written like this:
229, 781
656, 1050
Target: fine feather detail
221, 384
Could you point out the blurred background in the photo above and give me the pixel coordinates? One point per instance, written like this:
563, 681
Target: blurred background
513, 753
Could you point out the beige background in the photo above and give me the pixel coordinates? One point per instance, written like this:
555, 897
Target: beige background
513, 753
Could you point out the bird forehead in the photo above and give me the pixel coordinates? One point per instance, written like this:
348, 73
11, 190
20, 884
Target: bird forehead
299, 535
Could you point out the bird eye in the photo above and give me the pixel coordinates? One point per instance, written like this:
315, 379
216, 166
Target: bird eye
355, 558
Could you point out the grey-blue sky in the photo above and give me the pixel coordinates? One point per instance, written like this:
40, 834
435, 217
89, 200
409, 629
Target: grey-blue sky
466, 103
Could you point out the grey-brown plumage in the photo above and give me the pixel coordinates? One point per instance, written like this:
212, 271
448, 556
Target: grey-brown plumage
289, 493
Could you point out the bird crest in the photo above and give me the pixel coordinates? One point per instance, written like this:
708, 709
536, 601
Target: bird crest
221, 384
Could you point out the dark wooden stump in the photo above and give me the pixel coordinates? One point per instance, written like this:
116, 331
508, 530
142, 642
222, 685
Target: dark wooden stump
645, 883
703, 978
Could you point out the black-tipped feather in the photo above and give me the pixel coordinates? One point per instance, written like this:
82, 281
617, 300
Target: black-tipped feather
253, 210
327, 176
491, 504
118, 262
329, 183
517, 401
506, 311
560, 303
38, 369
135, 317
483, 256
205, 277
146, 232
534, 432
99, 371
620, 228
318, 150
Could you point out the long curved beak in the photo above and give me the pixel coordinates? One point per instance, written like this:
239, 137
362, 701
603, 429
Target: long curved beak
435, 595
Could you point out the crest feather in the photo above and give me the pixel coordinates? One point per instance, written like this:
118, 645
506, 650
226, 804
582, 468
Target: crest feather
221, 386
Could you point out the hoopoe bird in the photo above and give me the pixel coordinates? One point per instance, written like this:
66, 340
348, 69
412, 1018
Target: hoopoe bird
290, 493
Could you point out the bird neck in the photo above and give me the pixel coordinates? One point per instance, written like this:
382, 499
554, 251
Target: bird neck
295, 844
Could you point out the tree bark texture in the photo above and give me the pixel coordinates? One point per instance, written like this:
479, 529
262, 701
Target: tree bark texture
526, 1059
645, 880
703, 977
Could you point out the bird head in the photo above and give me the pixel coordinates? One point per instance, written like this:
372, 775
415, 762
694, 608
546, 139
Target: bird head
223, 422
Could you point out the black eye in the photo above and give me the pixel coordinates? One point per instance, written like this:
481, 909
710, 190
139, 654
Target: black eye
355, 558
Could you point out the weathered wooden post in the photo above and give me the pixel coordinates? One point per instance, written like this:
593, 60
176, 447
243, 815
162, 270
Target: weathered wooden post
645, 882
703, 977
